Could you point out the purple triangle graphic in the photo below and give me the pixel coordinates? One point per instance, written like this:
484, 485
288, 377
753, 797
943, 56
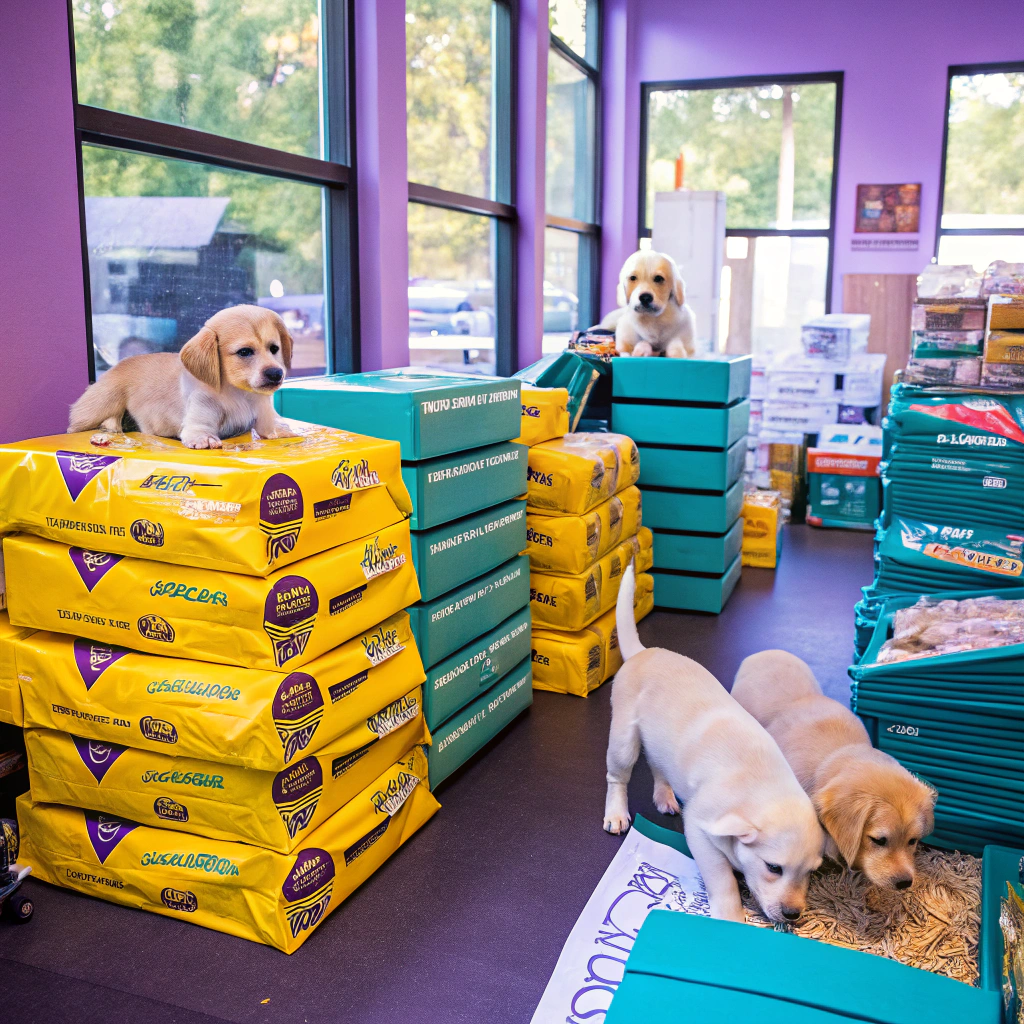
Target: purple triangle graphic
97, 756
92, 566
105, 832
94, 659
78, 468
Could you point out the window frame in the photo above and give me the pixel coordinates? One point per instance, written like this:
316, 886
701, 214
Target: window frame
753, 81
501, 211
336, 175
956, 71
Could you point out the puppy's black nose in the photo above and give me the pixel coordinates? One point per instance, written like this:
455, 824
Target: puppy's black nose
273, 375
790, 914
646, 298
903, 883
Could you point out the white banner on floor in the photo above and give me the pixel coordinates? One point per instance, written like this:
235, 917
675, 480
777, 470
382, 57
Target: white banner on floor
644, 875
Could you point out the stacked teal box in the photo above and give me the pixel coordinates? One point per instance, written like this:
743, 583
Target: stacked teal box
467, 479
689, 419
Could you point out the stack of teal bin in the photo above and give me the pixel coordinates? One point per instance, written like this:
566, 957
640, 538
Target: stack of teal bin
467, 479
689, 419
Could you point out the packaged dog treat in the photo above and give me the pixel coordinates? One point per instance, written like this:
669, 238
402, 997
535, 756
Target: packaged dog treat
250, 507
571, 475
545, 414
11, 710
283, 621
570, 544
572, 602
580, 661
232, 887
276, 810
263, 719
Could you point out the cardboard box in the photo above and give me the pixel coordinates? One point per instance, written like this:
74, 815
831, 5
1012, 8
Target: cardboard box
454, 553
458, 739
712, 377
666, 509
687, 425
718, 470
836, 335
697, 552
805, 417
685, 592
451, 621
843, 489
429, 413
452, 486
456, 680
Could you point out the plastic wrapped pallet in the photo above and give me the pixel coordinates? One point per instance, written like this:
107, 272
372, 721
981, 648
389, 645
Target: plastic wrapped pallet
545, 414
575, 473
11, 709
269, 897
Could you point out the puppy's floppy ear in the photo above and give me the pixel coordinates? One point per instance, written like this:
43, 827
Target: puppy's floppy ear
201, 357
844, 814
620, 293
286, 341
735, 825
678, 284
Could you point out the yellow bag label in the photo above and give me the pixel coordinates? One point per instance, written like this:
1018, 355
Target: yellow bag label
283, 621
255, 718
572, 602
760, 558
570, 544
999, 564
11, 709
580, 661
572, 474
223, 801
545, 414
270, 897
252, 506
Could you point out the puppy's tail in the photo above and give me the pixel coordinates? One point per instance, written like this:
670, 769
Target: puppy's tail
625, 622
102, 405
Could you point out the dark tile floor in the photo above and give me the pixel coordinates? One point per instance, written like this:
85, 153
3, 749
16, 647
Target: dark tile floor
466, 921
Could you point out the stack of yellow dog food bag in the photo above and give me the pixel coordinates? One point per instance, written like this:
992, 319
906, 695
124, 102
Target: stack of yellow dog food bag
221, 691
583, 529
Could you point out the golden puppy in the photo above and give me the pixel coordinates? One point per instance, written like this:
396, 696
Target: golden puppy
654, 319
219, 385
874, 811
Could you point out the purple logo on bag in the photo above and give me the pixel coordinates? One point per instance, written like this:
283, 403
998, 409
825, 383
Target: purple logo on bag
78, 468
308, 889
92, 566
94, 659
296, 792
280, 514
97, 756
297, 709
105, 832
289, 616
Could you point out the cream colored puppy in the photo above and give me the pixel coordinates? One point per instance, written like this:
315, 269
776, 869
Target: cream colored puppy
874, 810
654, 319
743, 808
219, 385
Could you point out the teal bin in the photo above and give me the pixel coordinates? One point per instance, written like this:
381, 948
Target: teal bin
458, 739
686, 425
693, 592
692, 511
452, 486
704, 469
454, 681
698, 552
429, 413
454, 553
715, 377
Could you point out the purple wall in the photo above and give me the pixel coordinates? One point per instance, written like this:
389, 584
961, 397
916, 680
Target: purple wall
42, 337
895, 58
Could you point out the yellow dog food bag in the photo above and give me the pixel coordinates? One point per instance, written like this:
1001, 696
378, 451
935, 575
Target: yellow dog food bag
251, 507
283, 621
581, 661
545, 414
244, 890
253, 718
572, 602
572, 543
11, 710
275, 810
572, 474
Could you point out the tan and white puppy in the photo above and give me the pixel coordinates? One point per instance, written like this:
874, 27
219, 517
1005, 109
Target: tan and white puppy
653, 318
219, 385
743, 808
874, 811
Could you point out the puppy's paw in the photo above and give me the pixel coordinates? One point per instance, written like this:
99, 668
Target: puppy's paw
665, 799
282, 430
676, 350
727, 910
201, 441
616, 824
643, 348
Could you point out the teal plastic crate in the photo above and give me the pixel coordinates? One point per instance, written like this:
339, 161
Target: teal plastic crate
694, 593
698, 552
703, 469
715, 377
692, 511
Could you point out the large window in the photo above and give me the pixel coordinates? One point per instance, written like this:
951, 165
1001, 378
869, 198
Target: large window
572, 236
770, 146
981, 213
461, 218
214, 151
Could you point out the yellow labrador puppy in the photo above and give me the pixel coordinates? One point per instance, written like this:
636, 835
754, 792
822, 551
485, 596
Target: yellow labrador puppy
219, 385
874, 810
743, 808
654, 319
